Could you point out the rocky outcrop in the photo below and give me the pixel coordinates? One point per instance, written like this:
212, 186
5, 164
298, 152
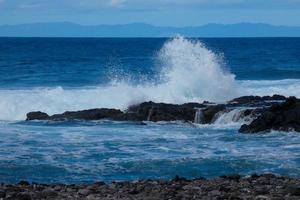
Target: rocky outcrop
210, 112
281, 117
150, 111
268, 113
265, 186
37, 116
92, 114
256, 100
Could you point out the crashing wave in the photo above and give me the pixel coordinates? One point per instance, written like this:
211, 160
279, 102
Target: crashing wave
189, 72
236, 115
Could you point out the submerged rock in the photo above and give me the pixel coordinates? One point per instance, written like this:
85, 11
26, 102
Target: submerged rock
281, 117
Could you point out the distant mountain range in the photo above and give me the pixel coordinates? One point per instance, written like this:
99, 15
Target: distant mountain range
66, 29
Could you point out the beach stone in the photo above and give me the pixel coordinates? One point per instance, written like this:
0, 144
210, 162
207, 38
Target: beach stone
215, 192
234, 177
261, 190
226, 188
49, 192
269, 176
133, 192
23, 183
261, 197
99, 183
294, 190
91, 197
58, 188
84, 192
22, 196
2, 194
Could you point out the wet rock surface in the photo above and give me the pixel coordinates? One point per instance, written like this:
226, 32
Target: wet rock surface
92, 114
264, 113
37, 116
257, 100
281, 117
148, 111
210, 112
266, 186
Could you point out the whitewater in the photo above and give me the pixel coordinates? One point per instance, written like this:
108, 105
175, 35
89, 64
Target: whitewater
54, 75
188, 72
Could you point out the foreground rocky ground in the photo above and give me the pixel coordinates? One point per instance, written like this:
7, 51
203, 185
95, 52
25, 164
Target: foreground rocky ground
262, 187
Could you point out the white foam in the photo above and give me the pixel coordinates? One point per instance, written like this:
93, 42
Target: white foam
286, 87
233, 116
189, 73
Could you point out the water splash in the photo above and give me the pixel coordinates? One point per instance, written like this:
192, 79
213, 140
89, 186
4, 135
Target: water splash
199, 118
234, 116
192, 71
189, 72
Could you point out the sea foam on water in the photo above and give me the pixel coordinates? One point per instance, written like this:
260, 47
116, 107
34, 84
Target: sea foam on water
188, 71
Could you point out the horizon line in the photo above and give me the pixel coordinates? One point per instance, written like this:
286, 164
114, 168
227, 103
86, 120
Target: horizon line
149, 24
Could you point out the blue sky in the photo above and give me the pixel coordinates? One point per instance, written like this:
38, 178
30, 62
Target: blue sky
156, 12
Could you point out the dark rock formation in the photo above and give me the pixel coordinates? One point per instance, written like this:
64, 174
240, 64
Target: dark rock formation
266, 186
92, 114
37, 116
268, 112
256, 100
210, 112
150, 111
282, 117
147, 111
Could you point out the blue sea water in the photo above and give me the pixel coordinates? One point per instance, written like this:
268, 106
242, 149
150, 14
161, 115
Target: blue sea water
72, 62
58, 74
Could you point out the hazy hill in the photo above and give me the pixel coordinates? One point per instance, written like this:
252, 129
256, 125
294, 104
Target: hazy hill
66, 29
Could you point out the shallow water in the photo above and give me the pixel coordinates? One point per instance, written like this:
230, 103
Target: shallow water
89, 151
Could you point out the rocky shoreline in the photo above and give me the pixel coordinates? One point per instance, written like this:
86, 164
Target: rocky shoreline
263, 187
259, 114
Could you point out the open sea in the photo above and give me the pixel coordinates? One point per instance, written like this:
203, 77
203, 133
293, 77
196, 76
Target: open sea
54, 75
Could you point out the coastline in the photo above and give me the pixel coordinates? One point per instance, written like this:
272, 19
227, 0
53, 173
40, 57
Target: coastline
266, 186
121, 111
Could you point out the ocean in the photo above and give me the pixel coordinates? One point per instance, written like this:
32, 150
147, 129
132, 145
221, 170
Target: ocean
55, 75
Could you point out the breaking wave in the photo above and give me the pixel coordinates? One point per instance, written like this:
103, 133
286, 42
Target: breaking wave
189, 73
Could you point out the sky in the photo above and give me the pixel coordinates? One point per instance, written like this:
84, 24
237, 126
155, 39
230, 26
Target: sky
177, 13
